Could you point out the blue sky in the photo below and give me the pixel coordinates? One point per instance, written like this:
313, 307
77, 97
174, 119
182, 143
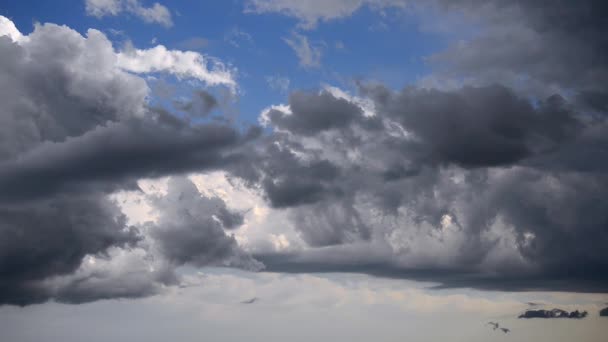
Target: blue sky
387, 47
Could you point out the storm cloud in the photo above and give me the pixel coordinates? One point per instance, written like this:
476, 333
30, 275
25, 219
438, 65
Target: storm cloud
555, 313
494, 180
76, 128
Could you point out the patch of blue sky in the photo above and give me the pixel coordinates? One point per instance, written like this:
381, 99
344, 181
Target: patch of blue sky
365, 46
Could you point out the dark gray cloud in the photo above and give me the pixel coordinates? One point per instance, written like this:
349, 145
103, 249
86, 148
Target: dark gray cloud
498, 184
201, 104
466, 162
69, 125
555, 313
476, 126
190, 229
370, 261
75, 128
551, 45
313, 113
117, 153
501, 178
50, 237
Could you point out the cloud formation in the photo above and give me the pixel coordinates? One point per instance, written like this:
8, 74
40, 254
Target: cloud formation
78, 127
494, 182
493, 175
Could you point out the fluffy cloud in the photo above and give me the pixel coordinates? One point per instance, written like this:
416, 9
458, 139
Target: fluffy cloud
77, 128
495, 182
442, 181
183, 64
157, 13
191, 227
51, 237
486, 184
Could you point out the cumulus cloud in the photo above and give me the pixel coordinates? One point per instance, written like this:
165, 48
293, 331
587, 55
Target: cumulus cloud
183, 64
77, 128
485, 184
156, 13
191, 227
51, 237
495, 182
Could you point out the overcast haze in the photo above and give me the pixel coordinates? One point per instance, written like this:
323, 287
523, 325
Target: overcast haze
325, 169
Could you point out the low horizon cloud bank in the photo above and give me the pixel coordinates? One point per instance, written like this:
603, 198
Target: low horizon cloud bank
555, 313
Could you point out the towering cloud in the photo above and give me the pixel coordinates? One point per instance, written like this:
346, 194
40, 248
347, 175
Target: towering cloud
495, 175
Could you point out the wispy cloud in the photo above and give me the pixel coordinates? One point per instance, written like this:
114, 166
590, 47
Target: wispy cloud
309, 54
156, 13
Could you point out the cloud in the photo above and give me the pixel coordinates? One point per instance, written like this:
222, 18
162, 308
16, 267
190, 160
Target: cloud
279, 83
469, 174
183, 64
555, 313
485, 184
78, 127
553, 48
201, 104
503, 170
313, 113
51, 237
157, 13
309, 55
191, 227
310, 13
8, 28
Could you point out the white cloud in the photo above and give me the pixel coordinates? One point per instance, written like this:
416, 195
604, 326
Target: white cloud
7, 28
183, 64
308, 54
157, 13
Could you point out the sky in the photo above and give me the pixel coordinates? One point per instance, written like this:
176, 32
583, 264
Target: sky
350, 170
